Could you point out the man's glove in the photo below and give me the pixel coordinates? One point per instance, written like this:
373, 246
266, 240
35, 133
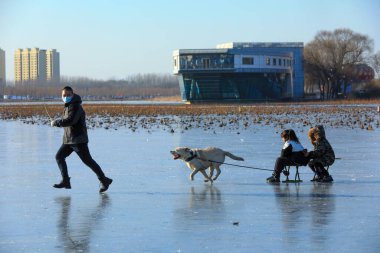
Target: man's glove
54, 123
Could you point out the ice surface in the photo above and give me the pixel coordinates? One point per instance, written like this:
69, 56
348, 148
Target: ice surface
152, 206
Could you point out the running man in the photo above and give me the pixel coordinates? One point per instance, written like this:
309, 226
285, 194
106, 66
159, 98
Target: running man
75, 139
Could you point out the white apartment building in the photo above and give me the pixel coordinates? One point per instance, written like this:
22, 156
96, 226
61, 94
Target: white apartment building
2, 67
36, 65
18, 65
52, 65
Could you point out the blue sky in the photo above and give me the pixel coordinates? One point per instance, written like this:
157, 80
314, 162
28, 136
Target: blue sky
114, 39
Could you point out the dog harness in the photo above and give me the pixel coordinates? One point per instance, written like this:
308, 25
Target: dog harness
192, 156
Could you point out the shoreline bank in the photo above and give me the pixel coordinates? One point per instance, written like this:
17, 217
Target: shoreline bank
182, 117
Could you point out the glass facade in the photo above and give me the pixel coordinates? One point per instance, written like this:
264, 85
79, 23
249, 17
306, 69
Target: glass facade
232, 86
259, 71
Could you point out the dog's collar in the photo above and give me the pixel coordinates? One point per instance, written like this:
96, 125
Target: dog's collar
192, 156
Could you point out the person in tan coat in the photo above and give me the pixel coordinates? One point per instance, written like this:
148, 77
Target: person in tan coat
323, 154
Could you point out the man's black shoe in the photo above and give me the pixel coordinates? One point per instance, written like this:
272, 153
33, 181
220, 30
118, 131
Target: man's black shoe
105, 184
65, 183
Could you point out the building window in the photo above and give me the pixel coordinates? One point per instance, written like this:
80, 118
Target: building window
274, 61
248, 61
267, 61
175, 62
279, 62
206, 63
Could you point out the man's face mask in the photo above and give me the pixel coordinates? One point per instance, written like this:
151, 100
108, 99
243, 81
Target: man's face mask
66, 99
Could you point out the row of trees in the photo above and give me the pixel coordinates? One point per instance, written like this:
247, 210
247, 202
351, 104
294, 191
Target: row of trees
333, 60
137, 86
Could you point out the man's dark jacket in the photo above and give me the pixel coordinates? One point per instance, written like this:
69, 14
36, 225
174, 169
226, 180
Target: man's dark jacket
74, 122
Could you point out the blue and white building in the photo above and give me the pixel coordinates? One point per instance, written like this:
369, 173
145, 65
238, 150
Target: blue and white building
241, 71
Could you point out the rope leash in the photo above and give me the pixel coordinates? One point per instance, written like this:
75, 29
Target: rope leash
236, 165
242, 166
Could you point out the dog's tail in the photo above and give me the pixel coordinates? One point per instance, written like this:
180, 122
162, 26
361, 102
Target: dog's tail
233, 157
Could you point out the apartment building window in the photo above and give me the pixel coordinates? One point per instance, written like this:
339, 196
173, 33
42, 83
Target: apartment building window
279, 62
274, 61
248, 61
267, 61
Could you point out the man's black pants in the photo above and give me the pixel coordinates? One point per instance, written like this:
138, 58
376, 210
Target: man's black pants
84, 154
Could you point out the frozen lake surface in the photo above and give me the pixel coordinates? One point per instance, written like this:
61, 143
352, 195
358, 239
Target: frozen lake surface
152, 206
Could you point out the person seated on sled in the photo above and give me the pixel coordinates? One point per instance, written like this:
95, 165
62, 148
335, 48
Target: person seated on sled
292, 154
322, 155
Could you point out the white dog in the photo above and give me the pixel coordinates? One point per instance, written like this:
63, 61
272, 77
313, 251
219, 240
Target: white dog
198, 160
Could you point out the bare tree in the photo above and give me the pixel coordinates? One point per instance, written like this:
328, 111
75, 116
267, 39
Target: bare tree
331, 57
137, 86
376, 62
